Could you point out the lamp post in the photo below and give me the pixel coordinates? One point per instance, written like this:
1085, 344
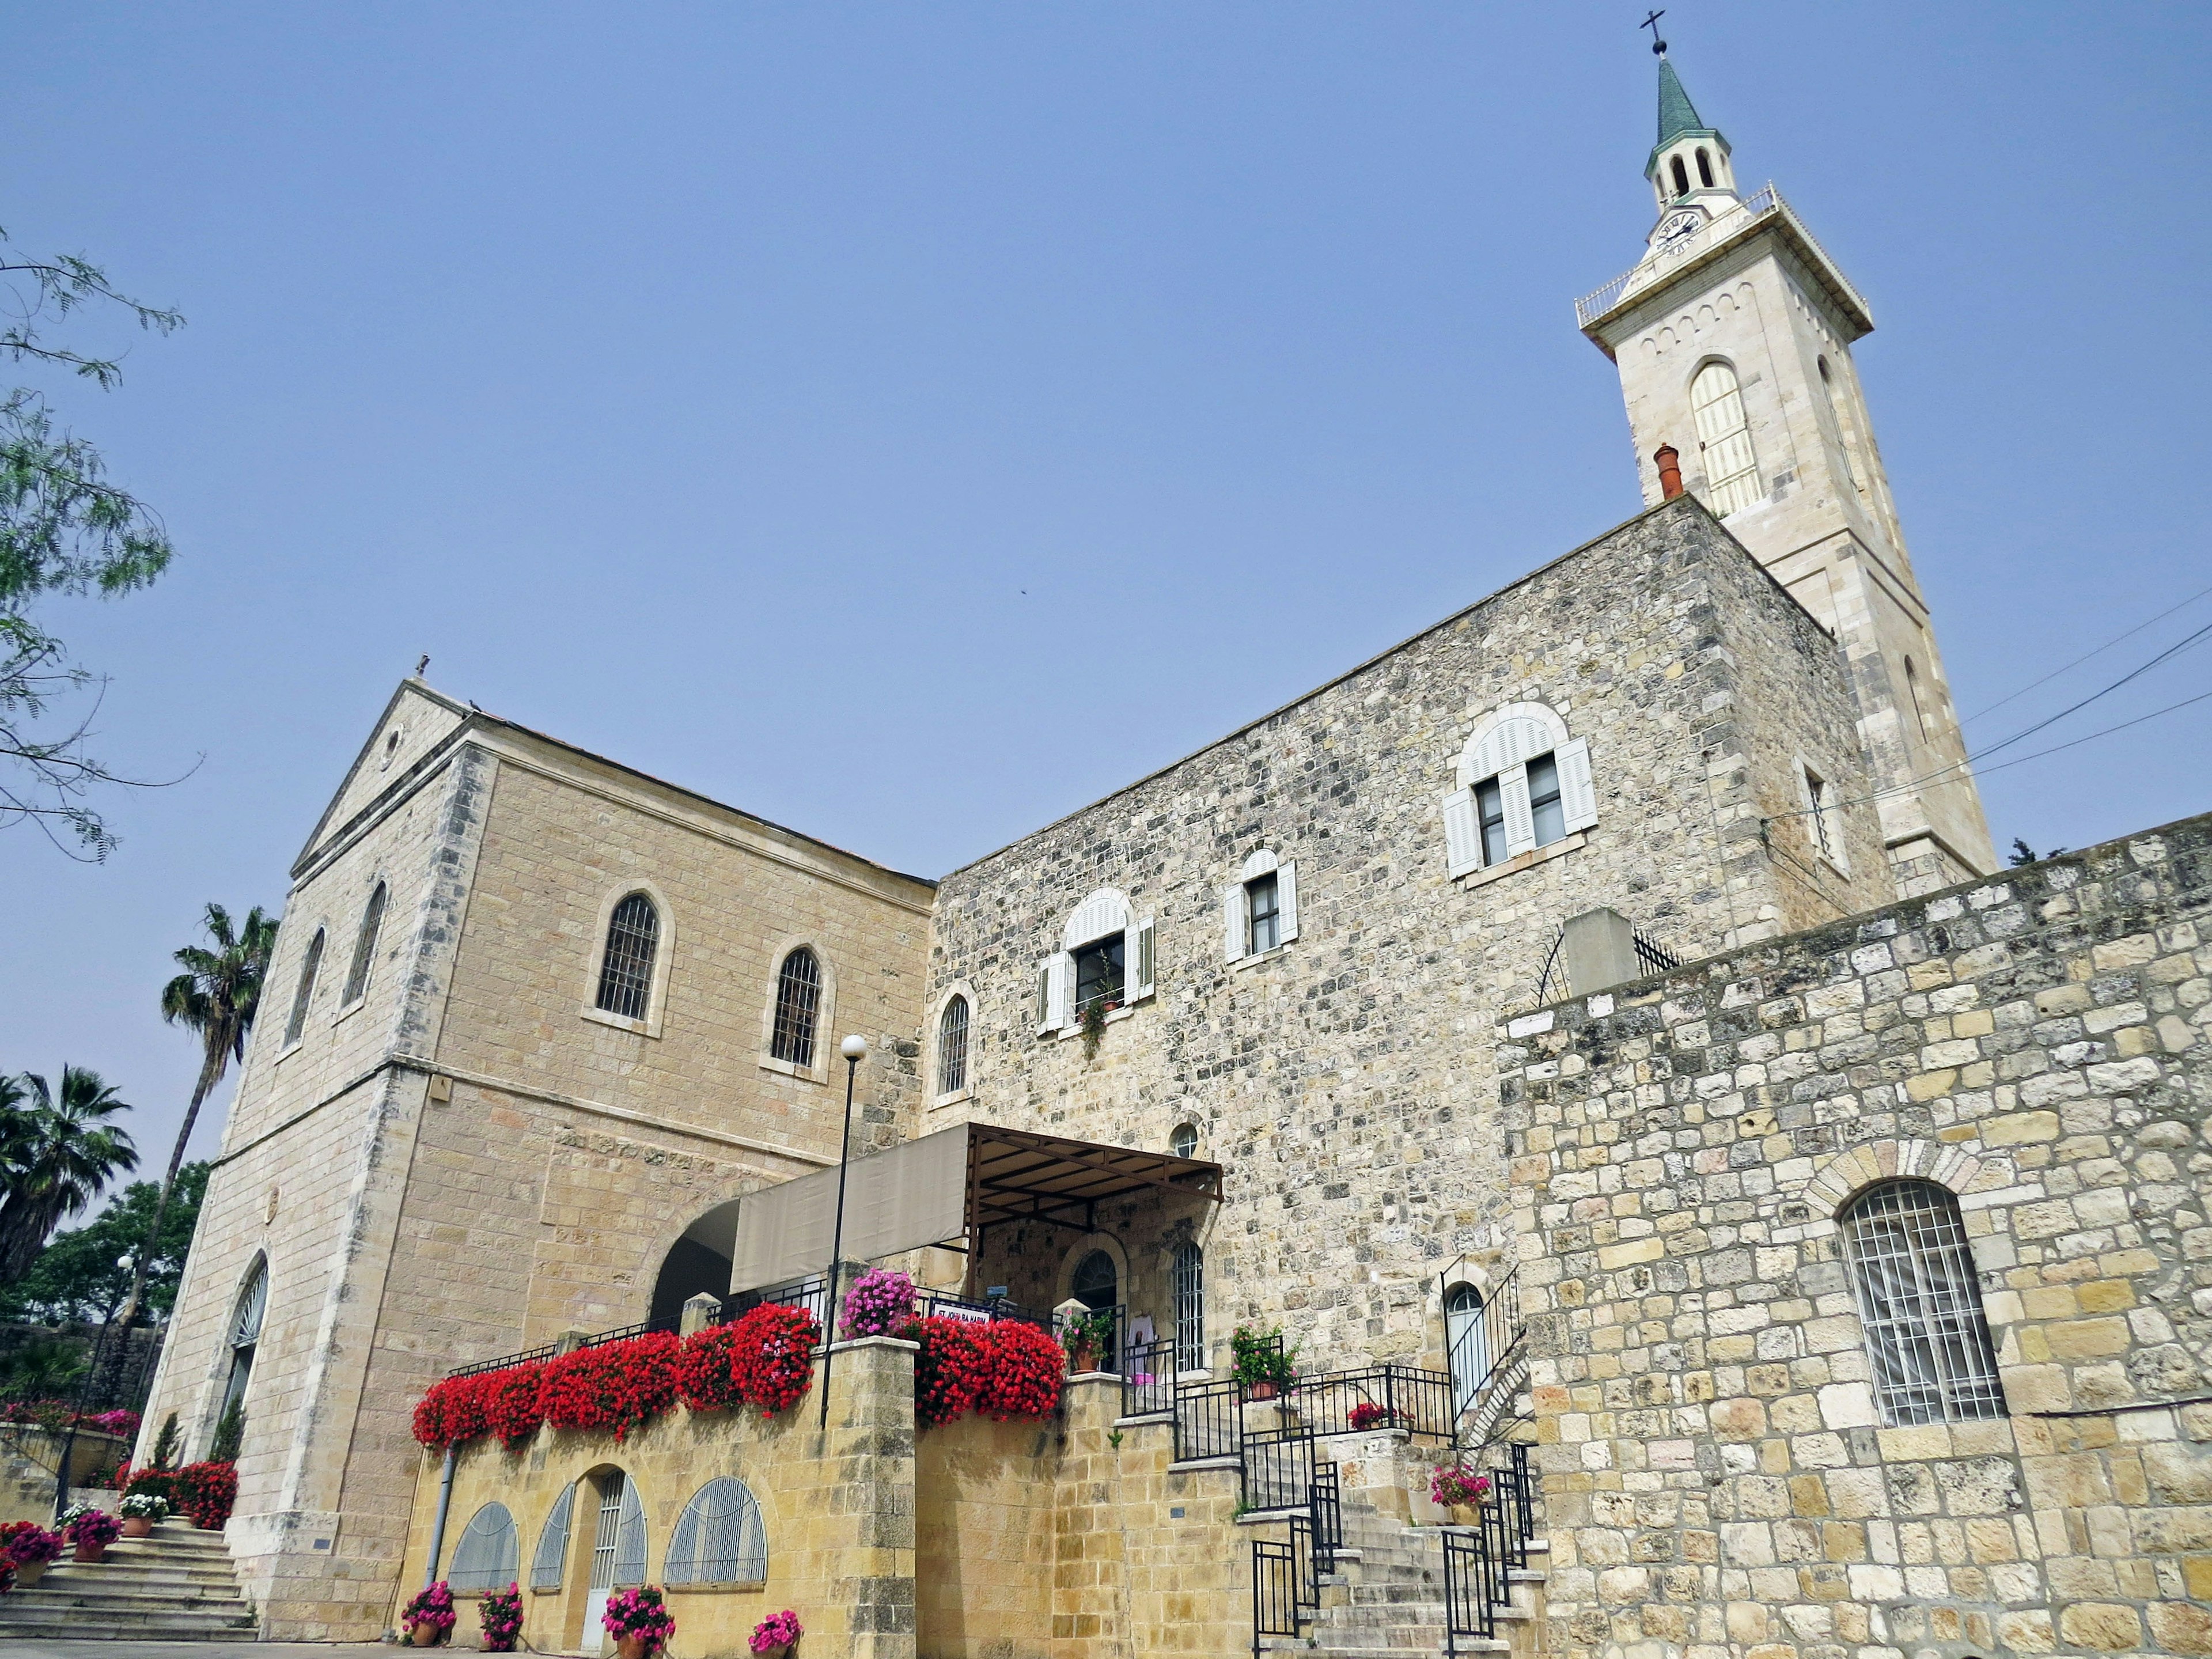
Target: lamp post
90, 1376
855, 1049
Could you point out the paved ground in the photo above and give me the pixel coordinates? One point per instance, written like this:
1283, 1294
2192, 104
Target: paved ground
197, 1649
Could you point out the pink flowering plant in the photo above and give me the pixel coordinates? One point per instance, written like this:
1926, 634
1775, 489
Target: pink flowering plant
501, 1613
880, 1303
1456, 1486
91, 1526
640, 1611
778, 1630
433, 1606
30, 1545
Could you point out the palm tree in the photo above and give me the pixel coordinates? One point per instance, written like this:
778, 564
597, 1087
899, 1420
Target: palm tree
61, 1153
214, 998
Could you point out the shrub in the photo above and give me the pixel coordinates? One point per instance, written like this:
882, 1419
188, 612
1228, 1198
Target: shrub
616, 1385
639, 1612
160, 1483
778, 1630
206, 1491
1457, 1485
772, 1355
880, 1303
1022, 1377
950, 1371
500, 1611
433, 1606
1260, 1357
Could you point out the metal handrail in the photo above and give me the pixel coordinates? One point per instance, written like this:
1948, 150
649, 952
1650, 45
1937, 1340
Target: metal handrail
1758, 205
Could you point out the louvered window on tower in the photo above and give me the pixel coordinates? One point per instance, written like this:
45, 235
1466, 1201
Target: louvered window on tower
1524, 784
1920, 1306
626, 970
797, 1004
1724, 440
364, 948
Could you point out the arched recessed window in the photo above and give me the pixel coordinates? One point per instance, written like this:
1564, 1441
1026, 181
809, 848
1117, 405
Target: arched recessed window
547, 1565
1468, 1338
1188, 1274
1524, 784
1097, 1285
626, 968
364, 948
1183, 1143
617, 1542
489, 1552
952, 1047
1724, 436
798, 1002
297, 1026
244, 1338
1681, 177
1926, 1334
1840, 429
1705, 169
719, 1539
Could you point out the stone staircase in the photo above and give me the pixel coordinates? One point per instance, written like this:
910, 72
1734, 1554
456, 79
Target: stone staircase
175, 1586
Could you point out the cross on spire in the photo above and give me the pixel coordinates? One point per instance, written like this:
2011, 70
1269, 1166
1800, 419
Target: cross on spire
1652, 22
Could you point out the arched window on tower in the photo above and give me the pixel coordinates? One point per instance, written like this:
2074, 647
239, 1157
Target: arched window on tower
1705, 169
798, 1002
245, 1339
1926, 1334
1681, 177
295, 1027
364, 948
1841, 428
626, 970
952, 1047
1724, 436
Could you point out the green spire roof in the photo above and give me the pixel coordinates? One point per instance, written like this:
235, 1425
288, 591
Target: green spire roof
1677, 114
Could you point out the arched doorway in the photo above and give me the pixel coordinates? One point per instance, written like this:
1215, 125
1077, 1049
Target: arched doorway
615, 1539
1467, 1336
699, 1260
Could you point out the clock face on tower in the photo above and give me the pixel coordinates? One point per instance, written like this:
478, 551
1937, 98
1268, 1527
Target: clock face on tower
1678, 228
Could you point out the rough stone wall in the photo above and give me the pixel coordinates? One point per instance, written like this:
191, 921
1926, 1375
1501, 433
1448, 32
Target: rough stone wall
1719, 1476
1344, 1080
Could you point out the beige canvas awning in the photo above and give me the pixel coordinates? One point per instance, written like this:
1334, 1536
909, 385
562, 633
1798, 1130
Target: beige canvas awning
943, 1188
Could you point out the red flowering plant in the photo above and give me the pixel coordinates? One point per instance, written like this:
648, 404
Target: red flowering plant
1458, 1485
86, 1525
950, 1371
205, 1491
1369, 1415
706, 1370
510, 1400
615, 1385
25, 1543
450, 1411
772, 1355
1022, 1377
432, 1605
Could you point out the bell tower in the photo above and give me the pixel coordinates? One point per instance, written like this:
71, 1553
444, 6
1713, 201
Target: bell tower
1733, 335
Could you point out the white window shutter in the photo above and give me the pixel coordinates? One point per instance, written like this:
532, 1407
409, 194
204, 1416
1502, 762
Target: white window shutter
1053, 974
1041, 1003
1520, 822
1286, 899
1138, 967
1236, 925
1578, 793
1462, 833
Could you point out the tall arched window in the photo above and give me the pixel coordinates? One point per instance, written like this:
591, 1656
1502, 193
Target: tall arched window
952, 1047
489, 1552
295, 1026
245, 1334
719, 1539
1681, 177
798, 1000
1468, 1338
1724, 435
1925, 1330
1188, 1274
626, 970
364, 948
547, 1565
1705, 169
617, 1542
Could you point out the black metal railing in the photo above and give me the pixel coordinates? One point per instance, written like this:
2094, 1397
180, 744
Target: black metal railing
1551, 966
1489, 1364
527, 1356
1278, 1468
624, 1332
1653, 956
810, 1294
1209, 1420
1388, 1396
928, 1304
1328, 1505
1479, 1561
1148, 1379
1285, 1583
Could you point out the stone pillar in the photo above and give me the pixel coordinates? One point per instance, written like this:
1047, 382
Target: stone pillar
699, 1313
866, 1519
1599, 951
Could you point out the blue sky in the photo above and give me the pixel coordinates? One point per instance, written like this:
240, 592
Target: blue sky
911, 422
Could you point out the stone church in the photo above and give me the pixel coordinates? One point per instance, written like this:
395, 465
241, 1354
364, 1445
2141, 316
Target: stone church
1604, 1010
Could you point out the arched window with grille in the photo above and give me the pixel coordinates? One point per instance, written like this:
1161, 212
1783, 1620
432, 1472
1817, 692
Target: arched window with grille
245, 1334
626, 967
1467, 1334
1913, 1275
551, 1560
953, 1045
719, 1539
364, 948
1724, 437
1187, 1273
798, 1006
297, 1026
489, 1552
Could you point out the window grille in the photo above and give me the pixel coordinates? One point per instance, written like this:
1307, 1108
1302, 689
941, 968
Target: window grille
1262, 903
364, 948
297, 1024
952, 1047
1189, 1283
626, 971
1925, 1330
1724, 435
489, 1552
718, 1540
618, 1544
1183, 1143
552, 1559
798, 999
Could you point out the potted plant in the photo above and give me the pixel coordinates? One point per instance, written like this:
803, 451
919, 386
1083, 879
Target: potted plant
880, 1303
501, 1613
1085, 1337
26, 1546
428, 1619
91, 1531
1264, 1367
1458, 1488
639, 1620
776, 1635
140, 1510
1369, 1415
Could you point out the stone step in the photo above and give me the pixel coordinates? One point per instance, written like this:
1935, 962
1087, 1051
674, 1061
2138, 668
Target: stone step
137, 1625
175, 1585
105, 1602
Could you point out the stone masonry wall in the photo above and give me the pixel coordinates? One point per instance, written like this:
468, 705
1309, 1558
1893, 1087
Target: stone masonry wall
1344, 1079
1719, 1478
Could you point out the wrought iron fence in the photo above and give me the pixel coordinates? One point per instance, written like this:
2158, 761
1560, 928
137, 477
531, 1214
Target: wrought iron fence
1327, 1504
1479, 1561
1278, 1468
527, 1356
1148, 1379
810, 1294
1653, 957
1388, 1396
1285, 1583
1209, 1420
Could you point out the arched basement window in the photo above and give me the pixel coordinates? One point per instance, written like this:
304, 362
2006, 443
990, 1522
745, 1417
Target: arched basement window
546, 1566
1925, 1329
952, 1047
798, 999
626, 970
1469, 1339
719, 1539
1188, 1274
296, 1026
489, 1552
1724, 435
364, 950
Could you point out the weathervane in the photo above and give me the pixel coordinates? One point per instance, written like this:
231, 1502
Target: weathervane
1658, 47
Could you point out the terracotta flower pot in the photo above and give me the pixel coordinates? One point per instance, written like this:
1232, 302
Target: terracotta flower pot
28, 1573
1262, 1391
630, 1647
424, 1634
780, 1650
138, 1526
88, 1552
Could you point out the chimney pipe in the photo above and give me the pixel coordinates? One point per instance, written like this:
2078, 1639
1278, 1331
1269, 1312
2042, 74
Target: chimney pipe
1670, 471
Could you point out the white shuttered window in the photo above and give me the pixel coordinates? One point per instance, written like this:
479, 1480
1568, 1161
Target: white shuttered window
1524, 784
1724, 436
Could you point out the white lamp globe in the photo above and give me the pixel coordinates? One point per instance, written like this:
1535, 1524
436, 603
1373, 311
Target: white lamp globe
854, 1047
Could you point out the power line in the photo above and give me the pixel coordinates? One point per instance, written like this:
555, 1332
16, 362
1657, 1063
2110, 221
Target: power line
2179, 645
2085, 656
